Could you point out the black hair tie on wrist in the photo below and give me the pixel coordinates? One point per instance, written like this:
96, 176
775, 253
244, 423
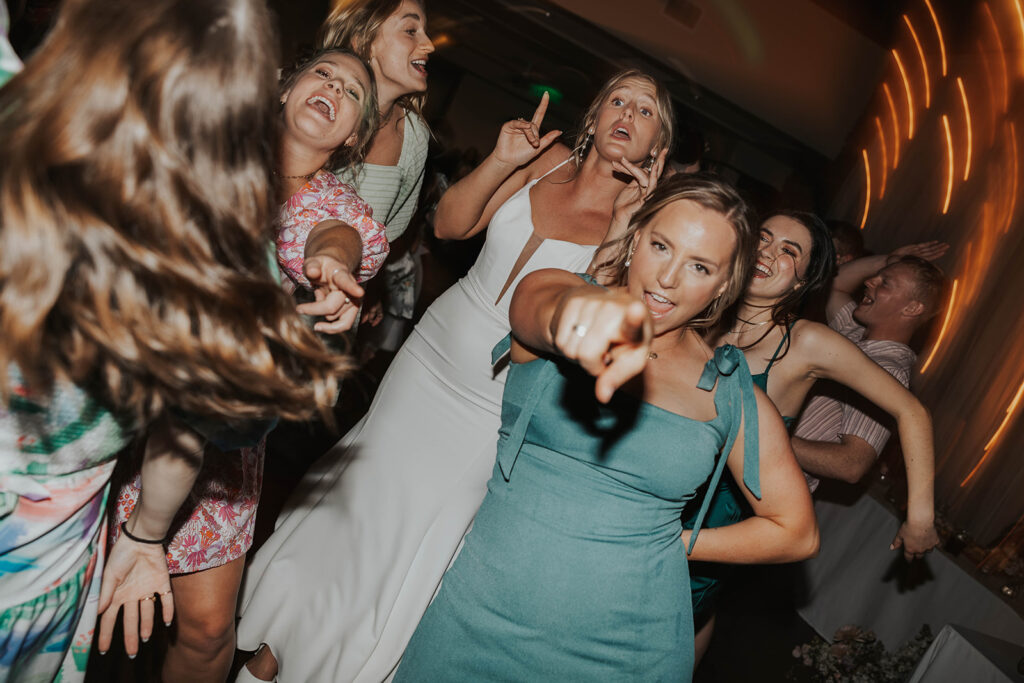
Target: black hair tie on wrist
130, 535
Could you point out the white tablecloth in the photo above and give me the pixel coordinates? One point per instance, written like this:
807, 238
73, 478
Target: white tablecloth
959, 655
857, 580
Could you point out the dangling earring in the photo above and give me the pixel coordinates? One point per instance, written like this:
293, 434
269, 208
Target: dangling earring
649, 162
629, 257
581, 149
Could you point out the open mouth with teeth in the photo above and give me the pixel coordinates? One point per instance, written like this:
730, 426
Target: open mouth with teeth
621, 133
761, 270
657, 304
322, 105
420, 65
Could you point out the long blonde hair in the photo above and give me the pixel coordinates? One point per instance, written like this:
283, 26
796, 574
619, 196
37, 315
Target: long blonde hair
355, 25
666, 113
135, 216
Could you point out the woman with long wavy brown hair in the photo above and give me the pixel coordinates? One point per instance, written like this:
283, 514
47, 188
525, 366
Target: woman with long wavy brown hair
136, 292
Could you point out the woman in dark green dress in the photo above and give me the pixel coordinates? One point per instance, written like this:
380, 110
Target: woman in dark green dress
576, 565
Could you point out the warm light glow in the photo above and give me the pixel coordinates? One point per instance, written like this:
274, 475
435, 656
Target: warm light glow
895, 126
991, 92
924, 63
949, 157
967, 122
441, 40
910, 95
1015, 176
938, 32
1020, 19
945, 326
998, 433
1002, 55
885, 156
867, 188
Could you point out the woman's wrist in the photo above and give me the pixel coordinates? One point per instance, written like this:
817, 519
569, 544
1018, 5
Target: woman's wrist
136, 536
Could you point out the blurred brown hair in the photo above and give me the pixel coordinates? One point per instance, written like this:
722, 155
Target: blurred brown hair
135, 213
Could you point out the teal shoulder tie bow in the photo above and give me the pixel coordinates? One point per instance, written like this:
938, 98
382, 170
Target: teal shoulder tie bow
736, 402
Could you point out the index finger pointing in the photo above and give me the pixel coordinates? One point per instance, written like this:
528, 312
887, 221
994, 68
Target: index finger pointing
542, 109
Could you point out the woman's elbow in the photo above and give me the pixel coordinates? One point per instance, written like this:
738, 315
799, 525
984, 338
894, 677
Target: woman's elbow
808, 543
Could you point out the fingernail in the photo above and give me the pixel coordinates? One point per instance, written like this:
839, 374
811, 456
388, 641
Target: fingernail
145, 640
892, 546
133, 656
167, 623
103, 652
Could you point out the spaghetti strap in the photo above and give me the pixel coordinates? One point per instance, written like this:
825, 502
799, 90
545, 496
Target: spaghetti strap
775, 356
552, 170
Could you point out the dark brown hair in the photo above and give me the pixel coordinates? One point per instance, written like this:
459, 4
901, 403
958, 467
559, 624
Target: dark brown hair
135, 215
711, 193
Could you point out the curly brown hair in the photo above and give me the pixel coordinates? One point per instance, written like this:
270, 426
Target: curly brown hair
135, 216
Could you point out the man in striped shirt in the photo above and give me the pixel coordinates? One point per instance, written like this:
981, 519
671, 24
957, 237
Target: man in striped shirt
840, 435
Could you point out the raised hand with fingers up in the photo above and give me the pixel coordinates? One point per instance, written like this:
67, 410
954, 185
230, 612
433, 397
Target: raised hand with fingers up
520, 141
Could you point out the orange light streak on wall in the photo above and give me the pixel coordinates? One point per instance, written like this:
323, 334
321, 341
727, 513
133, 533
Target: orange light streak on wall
885, 156
910, 95
967, 121
945, 326
867, 188
1020, 20
996, 435
991, 93
1015, 176
924, 63
938, 32
895, 126
949, 157
1002, 55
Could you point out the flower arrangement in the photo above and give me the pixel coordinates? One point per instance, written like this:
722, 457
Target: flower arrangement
855, 655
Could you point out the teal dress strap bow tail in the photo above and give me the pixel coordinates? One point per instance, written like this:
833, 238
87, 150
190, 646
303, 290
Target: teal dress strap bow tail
736, 402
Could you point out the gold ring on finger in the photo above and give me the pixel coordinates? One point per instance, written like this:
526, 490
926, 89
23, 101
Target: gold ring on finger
148, 597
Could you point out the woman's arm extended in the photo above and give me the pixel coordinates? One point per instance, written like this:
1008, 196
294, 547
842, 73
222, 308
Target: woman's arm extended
837, 358
784, 528
468, 205
607, 331
136, 570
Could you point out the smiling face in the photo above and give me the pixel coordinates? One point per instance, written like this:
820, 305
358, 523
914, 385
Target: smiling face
628, 122
400, 52
783, 254
888, 295
681, 261
324, 106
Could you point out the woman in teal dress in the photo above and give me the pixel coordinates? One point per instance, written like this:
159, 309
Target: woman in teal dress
576, 566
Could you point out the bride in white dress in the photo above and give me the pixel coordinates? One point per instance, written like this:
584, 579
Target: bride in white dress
338, 589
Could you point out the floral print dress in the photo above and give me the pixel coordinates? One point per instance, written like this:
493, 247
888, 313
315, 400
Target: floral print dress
216, 523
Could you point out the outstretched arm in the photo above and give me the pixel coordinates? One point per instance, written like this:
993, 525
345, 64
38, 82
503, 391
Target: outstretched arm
837, 358
334, 251
468, 205
607, 331
136, 572
783, 528
848, 460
